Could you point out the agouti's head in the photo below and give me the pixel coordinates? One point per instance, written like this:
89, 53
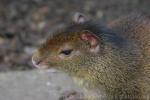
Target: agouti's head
68, 49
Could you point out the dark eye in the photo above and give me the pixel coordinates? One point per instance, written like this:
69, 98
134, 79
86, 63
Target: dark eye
66, 52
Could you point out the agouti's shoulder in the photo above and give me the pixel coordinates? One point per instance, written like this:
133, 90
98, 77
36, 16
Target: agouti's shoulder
135, 27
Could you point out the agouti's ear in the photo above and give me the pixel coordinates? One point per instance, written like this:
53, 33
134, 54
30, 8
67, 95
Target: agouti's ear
79, 18
92, 39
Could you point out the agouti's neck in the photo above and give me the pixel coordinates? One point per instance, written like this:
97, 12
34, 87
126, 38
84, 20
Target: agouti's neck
118, 69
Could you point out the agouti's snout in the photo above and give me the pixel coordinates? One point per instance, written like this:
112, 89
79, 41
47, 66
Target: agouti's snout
39, 62
36, 62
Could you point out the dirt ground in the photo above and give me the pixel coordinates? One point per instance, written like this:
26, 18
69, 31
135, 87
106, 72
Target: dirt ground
25, 24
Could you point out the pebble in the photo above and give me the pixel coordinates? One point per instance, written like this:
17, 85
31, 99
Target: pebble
41, 25
2, 40
99, 14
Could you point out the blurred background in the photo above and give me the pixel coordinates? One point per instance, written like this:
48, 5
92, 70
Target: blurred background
25, 24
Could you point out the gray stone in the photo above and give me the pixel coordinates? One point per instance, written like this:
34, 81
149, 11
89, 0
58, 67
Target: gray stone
34, 85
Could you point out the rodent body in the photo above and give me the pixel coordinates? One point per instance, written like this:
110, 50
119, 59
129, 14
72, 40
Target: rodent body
113, 60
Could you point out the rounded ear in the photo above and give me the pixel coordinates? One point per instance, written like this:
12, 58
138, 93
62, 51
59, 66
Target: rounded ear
92, 39
79, 18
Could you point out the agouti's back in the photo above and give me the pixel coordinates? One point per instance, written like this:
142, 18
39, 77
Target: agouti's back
136, 27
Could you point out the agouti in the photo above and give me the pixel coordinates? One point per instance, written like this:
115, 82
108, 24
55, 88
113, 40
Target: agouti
113, 60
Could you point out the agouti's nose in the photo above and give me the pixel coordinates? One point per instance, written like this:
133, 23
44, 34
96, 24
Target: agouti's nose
36, 62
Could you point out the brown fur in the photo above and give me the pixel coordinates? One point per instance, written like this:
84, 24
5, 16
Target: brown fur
136, 27
121, 68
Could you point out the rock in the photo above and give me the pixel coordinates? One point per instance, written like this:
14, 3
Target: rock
34, 85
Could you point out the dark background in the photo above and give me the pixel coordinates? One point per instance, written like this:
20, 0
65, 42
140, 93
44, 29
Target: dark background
24, 24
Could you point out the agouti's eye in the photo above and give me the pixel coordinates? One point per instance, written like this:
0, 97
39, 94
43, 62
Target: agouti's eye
66, 52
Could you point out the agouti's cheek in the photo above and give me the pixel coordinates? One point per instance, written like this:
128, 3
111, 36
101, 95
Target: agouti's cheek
61, 56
